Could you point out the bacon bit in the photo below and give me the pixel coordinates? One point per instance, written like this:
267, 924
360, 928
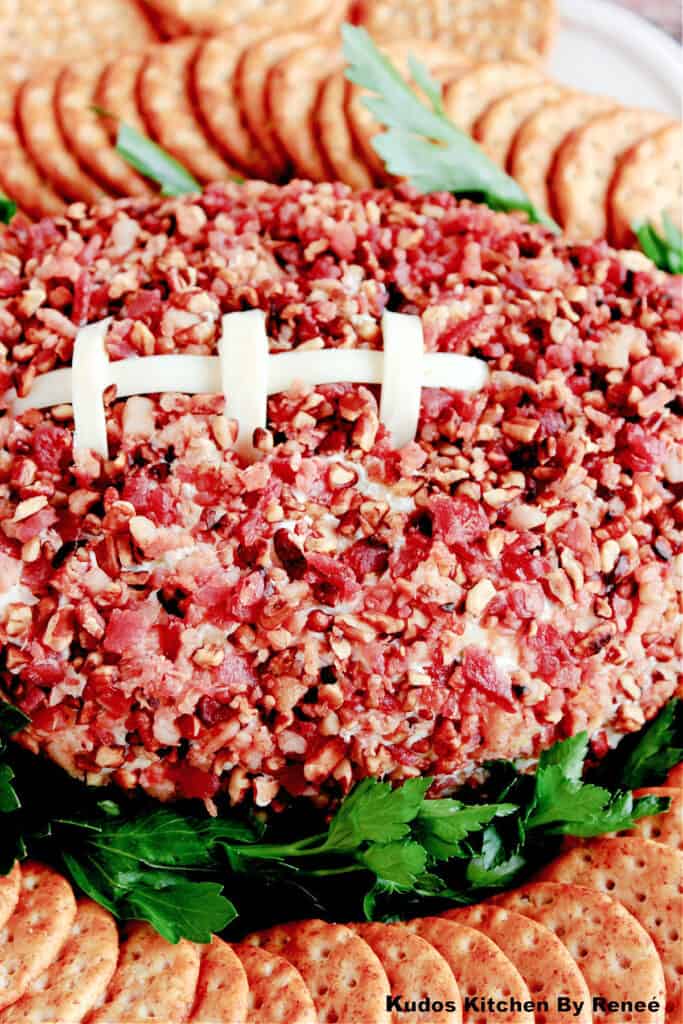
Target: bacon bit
458, 521
480, 671
126, 630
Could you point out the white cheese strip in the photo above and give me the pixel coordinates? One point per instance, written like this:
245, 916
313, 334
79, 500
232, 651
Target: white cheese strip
243, 352
246, 374
89, 380
399, 408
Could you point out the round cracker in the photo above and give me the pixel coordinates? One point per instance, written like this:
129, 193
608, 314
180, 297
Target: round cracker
214, 69
440, 60
117, 93
10, 885
675, 776
168, 111
277, 992
497, 29
343, 975
20, 179
222, 989
536, 142
44, 141
538, 955
86, 134
614, 953
585, 165
389, 20
293, 87
335, 135
466, 98
78, 977
212, 16
251, 82
496, 128
648, 180
67, 29
34, 934
154, 980
647, 878
666, 828
414, 968
479, 966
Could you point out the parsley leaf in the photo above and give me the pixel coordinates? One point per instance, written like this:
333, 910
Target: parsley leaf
152, 161
375, 812
492, 869
421, 143
442, 824
665, 250
181, 909
7, 209
395, 864
658, 750
11, 720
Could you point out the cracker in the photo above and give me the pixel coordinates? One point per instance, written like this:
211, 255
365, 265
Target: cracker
20, 179
251, 80
86, 134
343, 975
44, 141
277, 992
538, 955
212, 16
647, 878
440, 61
664, 828
293, 87
538, 139
36, 931
10, 886
388, 20
154, 980
117, 93
213, 73
65, 30
614, 953
168, 111
648, 180
466, 99
414, 967
675, 776
78, 977
497, 29
335, 135
496, 128
222, 989
478, 29
479, 967
586, 162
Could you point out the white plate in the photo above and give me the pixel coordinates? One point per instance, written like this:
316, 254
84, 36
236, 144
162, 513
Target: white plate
607, 49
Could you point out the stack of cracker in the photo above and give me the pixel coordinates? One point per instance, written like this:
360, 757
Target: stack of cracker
600, 929
268, 98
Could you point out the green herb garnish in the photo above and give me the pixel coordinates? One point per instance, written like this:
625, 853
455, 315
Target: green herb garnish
421, 143
396, 851
665, 250
152, 161
7, 209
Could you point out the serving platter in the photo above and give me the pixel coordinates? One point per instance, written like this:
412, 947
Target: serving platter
604, 48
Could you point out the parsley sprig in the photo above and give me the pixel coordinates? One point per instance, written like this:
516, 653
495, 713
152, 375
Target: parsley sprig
421, 143
665, 249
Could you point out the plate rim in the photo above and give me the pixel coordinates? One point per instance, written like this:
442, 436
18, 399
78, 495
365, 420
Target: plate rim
638, 36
